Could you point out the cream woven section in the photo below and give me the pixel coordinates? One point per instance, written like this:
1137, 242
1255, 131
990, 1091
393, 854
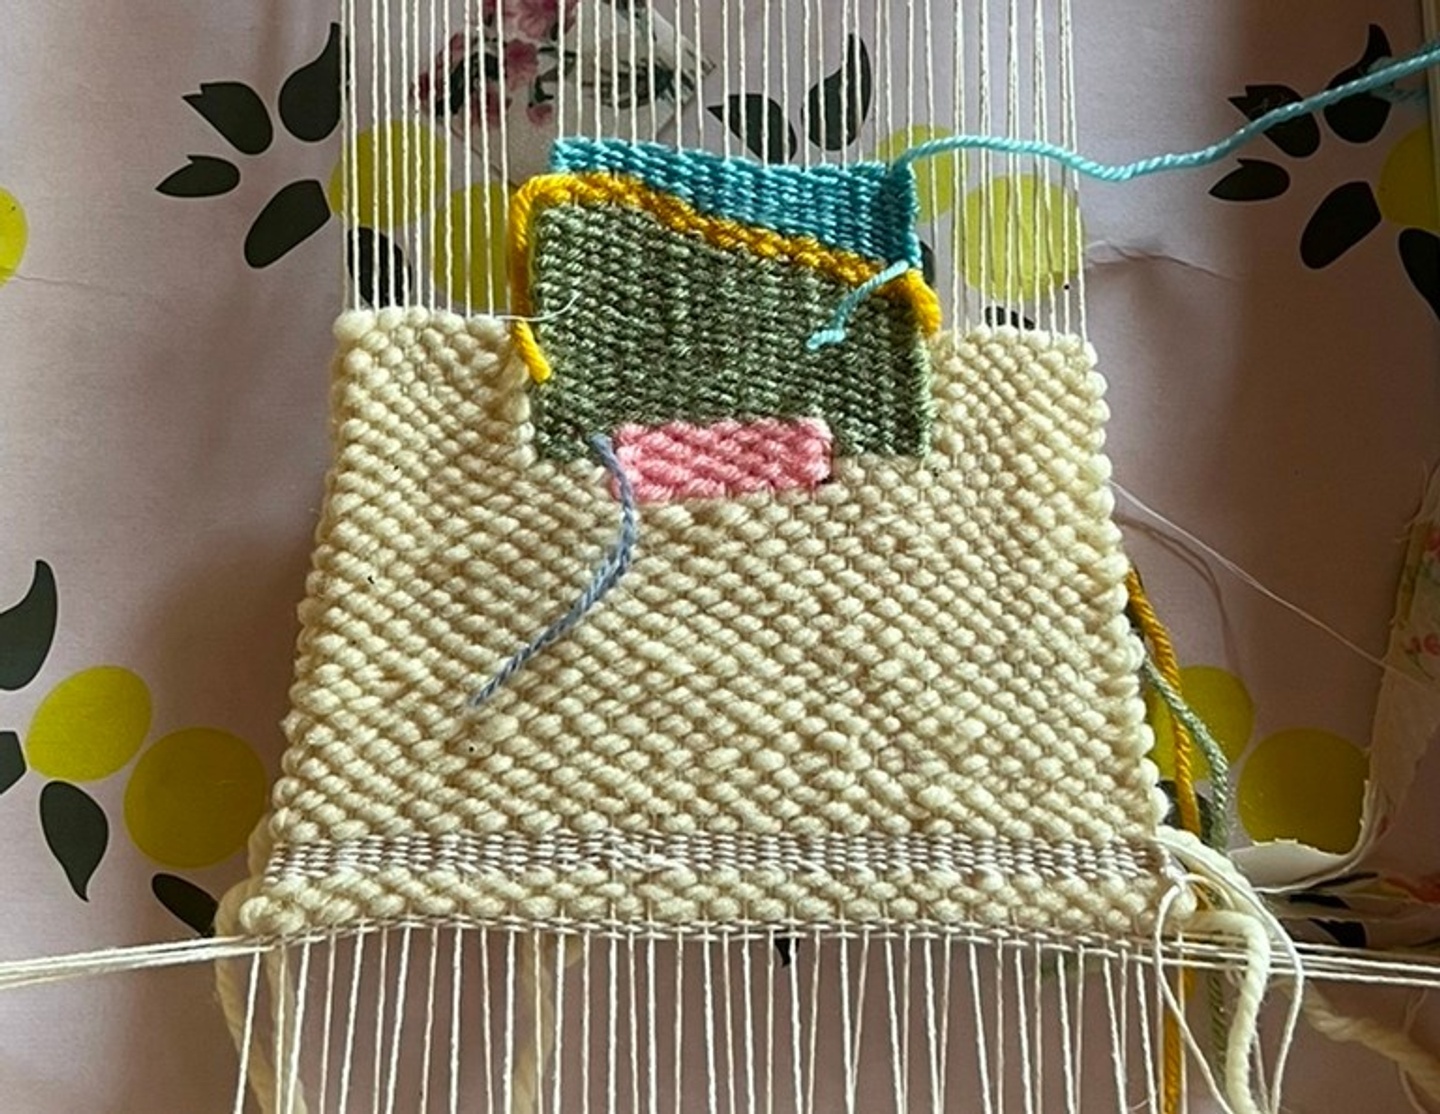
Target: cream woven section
908, 697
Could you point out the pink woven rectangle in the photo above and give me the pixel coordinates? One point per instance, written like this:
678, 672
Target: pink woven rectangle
679, 460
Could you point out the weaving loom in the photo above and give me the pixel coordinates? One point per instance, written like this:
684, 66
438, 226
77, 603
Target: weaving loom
719, 659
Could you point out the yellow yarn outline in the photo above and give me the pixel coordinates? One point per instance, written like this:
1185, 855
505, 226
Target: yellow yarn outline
1188, 807
601, 188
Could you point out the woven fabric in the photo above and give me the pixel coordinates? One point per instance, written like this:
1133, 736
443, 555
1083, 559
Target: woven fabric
728, 458
908, 696
865, 208
641, 324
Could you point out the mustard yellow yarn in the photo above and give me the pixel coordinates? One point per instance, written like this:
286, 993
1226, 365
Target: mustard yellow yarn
610, 189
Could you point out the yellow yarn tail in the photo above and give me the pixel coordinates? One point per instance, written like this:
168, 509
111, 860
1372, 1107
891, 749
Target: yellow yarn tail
1188, 806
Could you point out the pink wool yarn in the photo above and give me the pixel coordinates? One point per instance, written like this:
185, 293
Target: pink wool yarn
679, 460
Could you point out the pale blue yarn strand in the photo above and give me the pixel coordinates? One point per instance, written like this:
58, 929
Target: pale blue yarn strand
613, 566
1380, 78
1422, 59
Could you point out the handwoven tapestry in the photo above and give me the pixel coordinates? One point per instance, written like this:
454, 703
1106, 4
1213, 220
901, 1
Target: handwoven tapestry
869, 661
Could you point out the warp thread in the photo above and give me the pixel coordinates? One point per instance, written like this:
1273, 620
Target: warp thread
272, 1083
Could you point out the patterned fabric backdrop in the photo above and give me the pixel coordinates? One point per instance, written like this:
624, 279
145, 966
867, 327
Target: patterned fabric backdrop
171, 258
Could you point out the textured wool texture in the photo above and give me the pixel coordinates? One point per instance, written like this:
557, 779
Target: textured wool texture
644, 331
908, 696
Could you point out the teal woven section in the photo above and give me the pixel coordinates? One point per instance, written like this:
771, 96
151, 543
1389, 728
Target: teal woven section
652, 325
868, 208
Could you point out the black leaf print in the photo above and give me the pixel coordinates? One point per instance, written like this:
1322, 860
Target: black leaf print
235, 111
310, 97
1347, 934
187, 901
27, 630
12, 760
1314, 897
1255, 180
76, 831
379, 267
761, 123
785, 948
1361, 118
1420, 253
1342, 220
999, 315
840, 104
665, 83
927, 262
1202, 805
1298, 138
204, 177
463, 78
292, 216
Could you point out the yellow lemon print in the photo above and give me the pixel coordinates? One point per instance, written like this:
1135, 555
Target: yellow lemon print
89, 725
469, 252
1221, 700
194, 797
14, 235
1306, 785
935, 177
1406, 190
394, 174
1019, 235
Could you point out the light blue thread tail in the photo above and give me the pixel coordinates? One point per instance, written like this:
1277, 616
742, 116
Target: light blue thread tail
613, 566
1381, 78
1386, 75
835, 333
1219, 766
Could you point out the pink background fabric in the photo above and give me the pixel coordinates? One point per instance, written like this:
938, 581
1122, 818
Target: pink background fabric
163, 439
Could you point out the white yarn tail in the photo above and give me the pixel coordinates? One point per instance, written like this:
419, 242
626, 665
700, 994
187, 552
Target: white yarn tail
1225, 906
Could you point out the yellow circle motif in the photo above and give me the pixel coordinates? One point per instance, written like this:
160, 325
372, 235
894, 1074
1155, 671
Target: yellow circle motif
89, 725
469, 249
194, 797
1305, 785
394, 174
1221, 700
14, 235
934, 177
1020, 234
1406, 190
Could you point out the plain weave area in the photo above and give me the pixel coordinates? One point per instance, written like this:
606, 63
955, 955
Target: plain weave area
907, 697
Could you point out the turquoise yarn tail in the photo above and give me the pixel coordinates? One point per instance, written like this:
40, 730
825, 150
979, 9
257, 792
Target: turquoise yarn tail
834, 333
1381, 77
